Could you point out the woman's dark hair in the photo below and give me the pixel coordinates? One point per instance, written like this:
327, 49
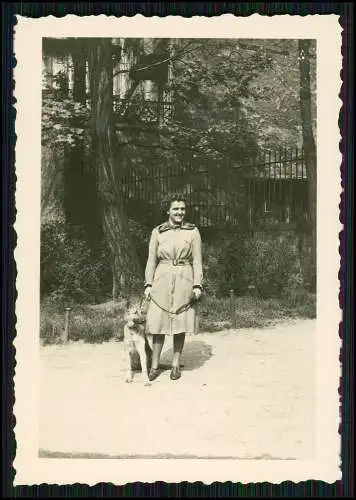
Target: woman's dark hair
167, 201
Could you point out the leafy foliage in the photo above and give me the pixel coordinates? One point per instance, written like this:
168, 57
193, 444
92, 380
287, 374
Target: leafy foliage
270, 265
207, 87
261, 264
230, 98
60, 115
69, 271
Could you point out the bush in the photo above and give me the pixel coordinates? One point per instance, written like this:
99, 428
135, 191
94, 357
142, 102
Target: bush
223, 264
70, 273
73, 273
266, 264
308, 268
51, 327
299, 300
270, 264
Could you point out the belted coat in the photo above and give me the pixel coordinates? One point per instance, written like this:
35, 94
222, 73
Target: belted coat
174, 268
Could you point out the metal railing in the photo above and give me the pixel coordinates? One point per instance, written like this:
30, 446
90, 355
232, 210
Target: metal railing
272, 191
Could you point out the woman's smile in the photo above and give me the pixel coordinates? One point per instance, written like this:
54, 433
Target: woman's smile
177, 212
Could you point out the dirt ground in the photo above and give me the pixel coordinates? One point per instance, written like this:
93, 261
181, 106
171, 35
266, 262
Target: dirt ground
243, 393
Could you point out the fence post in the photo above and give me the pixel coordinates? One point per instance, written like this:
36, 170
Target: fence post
233, 311
252, 292
65, 334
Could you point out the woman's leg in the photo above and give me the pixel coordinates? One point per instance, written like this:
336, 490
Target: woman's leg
158, 341
178, 344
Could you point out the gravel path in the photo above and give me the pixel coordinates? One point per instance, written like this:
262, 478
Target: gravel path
243, 393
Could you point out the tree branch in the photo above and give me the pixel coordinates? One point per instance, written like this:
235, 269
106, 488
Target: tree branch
172, 148
180, 53
125, 102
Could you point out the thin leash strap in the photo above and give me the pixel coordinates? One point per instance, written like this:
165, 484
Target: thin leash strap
143, 300
181, 309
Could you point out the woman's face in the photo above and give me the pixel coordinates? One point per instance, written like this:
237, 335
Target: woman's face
177, 212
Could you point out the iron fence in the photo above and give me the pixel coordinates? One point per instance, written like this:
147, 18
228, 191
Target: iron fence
277, 187
271, 191
146, 111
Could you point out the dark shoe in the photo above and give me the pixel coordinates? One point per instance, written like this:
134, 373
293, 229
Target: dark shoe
153, 373
175, 373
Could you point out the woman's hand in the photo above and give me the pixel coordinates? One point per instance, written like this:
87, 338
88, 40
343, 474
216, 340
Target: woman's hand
197, 292
147, 292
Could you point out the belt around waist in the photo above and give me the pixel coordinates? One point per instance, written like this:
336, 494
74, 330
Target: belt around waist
176, 262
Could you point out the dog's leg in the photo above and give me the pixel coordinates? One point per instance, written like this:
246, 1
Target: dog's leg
128, 366
149, 339
143, 359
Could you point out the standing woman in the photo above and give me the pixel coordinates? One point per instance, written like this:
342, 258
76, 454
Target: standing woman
173, 282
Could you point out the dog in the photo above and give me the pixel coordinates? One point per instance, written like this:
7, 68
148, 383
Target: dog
136, 343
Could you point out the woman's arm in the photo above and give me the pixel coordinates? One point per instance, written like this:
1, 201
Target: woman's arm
197, 260
152, 259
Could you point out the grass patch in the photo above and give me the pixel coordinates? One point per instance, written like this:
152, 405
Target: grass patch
102, 322
216, 314
91, 324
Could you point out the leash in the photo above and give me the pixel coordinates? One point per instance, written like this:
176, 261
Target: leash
184, 307
181, 309
143, 300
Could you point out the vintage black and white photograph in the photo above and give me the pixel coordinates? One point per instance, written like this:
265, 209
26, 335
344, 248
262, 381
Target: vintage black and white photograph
178, 249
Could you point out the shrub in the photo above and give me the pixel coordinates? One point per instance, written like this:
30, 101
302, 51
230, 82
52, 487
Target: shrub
73, 273
300, 302
270, 264
240, 261
308, 268
51, 327
70, 273
223, 264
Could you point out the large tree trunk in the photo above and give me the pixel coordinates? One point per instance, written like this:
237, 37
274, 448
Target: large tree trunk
81, 200
124, 260
79, 58
308, 136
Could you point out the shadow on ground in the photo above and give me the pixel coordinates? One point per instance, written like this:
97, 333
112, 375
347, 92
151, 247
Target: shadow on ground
195, 354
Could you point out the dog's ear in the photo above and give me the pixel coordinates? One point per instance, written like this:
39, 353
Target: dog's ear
128, 302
